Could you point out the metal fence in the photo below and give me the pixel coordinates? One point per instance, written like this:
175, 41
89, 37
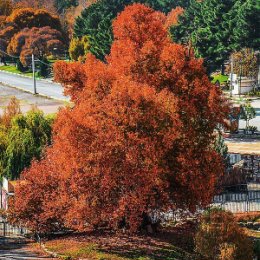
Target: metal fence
238, 202
7, 230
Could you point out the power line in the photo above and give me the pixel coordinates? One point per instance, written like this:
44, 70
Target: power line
12, 56
50, 66
33, 67
28, 58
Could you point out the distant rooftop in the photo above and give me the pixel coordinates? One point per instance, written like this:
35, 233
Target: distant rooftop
237, 146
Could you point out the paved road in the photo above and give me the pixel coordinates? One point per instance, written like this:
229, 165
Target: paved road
13, 249
44, 87
55, 91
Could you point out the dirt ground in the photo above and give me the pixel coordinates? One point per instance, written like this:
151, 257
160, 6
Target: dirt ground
48, 106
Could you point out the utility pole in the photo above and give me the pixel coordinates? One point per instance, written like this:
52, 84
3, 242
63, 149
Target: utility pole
34, 79
258, 65
231, 76
240, 77
1, 185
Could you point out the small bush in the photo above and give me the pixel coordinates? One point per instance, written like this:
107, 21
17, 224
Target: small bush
20, 66
257, 249
227, 252
219, 237
252, 129
44, 68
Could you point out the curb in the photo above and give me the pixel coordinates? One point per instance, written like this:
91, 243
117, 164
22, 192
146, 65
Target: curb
53, 254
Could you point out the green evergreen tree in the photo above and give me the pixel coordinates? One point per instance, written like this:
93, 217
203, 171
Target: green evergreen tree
247, 24
62, 5
221, 148
3, 146
96, 21
218, 27
20, 66
44, 67
247, 113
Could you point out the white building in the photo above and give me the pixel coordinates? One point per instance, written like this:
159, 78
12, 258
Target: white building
7, 191
246, 85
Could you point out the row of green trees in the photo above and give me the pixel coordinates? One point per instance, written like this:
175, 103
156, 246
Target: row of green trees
22, 138
96, 21
214, 28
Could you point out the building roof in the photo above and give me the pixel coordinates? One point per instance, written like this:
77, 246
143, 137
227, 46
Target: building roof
13, 184
9, 186
238, 146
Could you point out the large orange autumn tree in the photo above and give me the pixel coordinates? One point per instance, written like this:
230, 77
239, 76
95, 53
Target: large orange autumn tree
138, 140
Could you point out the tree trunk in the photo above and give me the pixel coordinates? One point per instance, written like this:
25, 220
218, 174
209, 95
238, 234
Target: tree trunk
222, 69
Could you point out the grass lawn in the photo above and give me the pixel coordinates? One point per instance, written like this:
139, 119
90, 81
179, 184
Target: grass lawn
13, 69
176, 245
221, 78
52, 61
71, 249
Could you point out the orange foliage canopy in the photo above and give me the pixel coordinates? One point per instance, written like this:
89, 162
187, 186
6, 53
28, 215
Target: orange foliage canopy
173, 17
40, 41
138, 140
29, 17
220, 237
24, 19
37, 4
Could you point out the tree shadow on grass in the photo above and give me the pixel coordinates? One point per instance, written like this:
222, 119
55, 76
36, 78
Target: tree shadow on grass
169, 244
156, 253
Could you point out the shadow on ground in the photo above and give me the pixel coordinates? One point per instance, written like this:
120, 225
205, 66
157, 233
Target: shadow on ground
168, 244
7, 243
18, 248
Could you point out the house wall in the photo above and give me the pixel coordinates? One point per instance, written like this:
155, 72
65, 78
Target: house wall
4, 200
5, 184
234, 158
